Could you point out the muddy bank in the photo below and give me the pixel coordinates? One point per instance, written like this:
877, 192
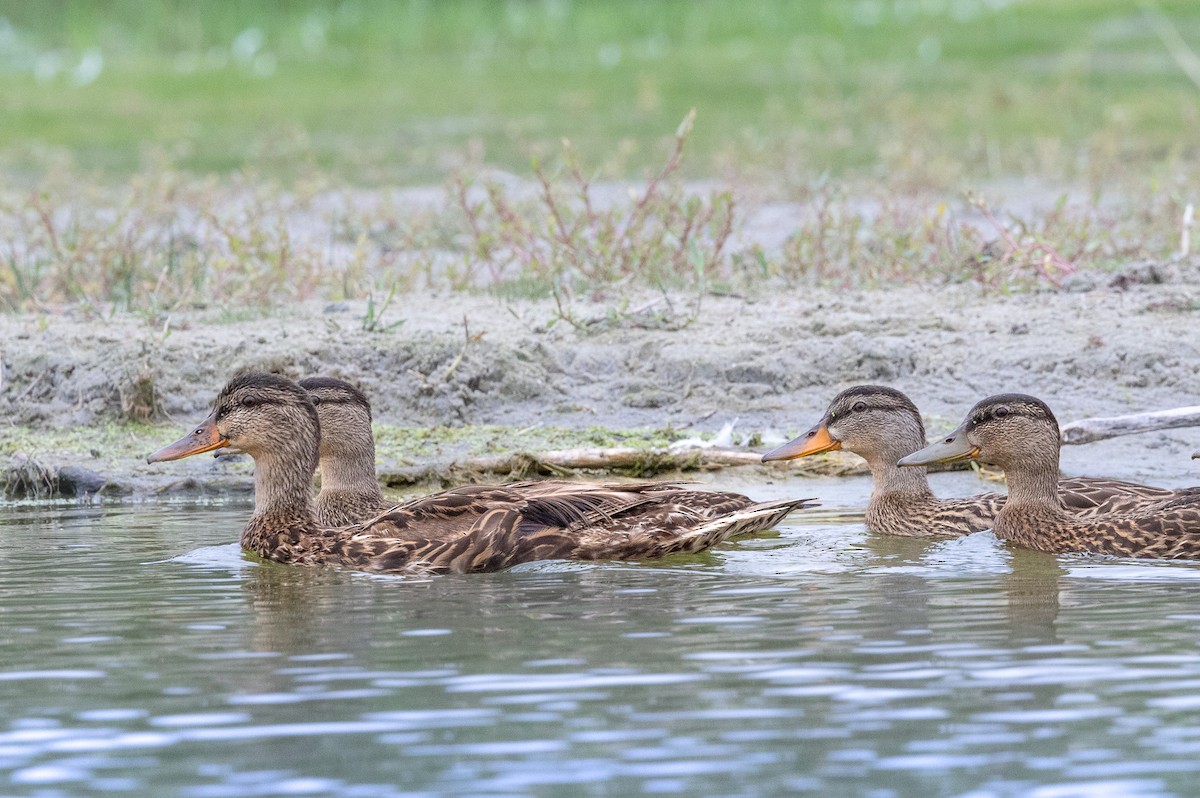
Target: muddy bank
771, 361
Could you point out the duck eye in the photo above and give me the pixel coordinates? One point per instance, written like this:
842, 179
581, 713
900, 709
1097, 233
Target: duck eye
249, 401
859, 407
1000, 412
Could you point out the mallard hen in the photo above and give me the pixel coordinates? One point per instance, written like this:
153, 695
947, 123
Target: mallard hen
349, 488
478, 528
1020, 434
881, 425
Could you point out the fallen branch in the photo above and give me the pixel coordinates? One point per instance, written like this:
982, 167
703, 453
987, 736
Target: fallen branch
626, 461
1088, 430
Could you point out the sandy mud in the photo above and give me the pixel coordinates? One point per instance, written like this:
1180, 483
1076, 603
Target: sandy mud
771, 361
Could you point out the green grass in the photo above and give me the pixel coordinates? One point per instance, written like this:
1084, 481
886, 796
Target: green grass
377, 92
230, 130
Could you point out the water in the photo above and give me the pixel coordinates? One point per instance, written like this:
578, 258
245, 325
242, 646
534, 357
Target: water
144, 655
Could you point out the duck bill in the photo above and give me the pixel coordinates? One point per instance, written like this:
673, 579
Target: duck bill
814, 441
951, 449
204, 438
1196, 455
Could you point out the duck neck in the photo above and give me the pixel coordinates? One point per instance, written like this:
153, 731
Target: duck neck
1033, 478
282, 523
1032, 484
1033, 510
282, 487
351, 475
890, 479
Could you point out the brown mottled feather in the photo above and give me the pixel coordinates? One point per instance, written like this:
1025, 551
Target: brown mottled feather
1090, 496
485, 528
1171, 531
917, 515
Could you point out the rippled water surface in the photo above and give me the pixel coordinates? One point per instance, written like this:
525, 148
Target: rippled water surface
143, 654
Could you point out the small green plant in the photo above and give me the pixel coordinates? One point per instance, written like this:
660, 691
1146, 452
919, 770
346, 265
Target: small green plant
372, 320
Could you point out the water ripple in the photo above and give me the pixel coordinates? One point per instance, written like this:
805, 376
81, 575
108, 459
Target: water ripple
824, 660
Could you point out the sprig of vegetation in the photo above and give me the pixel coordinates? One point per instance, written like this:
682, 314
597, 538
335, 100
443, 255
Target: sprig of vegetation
373, 318
872, 242
566, 240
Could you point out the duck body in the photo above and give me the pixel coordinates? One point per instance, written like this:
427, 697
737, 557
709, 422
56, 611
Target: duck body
882, 425
1087, 497
1020, 434
489, 528
1168, 531
474, 528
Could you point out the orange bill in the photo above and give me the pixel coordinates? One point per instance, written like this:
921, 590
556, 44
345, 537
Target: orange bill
814, 441
204, 438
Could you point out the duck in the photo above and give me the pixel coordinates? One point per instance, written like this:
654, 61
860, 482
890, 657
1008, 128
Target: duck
469, 529
882, 425
350, 491
1020, 434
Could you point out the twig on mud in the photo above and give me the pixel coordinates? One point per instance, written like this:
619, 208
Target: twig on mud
468, 339
696, 420
1185, 230
29, 388
627, 461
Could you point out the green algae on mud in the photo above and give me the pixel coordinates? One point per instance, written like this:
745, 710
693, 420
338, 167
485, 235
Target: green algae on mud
108, 460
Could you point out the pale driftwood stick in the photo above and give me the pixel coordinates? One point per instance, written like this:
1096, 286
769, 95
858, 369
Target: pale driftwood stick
564, 461
628, 460
1097, 429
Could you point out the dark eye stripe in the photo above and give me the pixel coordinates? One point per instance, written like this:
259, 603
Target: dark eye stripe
322, 401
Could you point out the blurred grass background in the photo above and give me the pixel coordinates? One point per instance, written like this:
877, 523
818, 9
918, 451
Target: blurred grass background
924, 92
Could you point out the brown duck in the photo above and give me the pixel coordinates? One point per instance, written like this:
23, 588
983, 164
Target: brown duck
349, 488
881, 425
476, 528
1021, 435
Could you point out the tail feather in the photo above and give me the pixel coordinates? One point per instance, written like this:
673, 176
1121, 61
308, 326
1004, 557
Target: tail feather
757, 518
